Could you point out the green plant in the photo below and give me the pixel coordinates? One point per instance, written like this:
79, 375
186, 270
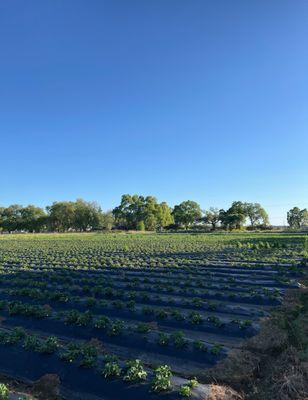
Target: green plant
215, 320
195, 318
4, 392
162, 379
102, 322
89, 355
110, 358
199, 345
32, 343
163, 339
193, 382
185, 391
75, 317
135, 371
49, 346
143, 328
216, 349
178, 339
90, 301
111, 368
71, 352
161, 314
115, 328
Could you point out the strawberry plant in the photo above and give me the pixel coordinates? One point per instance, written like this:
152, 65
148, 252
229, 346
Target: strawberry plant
162, 379
185, 391
111, 369
135, 371
178, 339
4, 392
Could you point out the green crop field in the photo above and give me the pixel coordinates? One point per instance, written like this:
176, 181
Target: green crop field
127, 315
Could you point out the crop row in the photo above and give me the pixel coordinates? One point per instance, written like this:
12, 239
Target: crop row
267, 297
110, 330
89, 356
167, 316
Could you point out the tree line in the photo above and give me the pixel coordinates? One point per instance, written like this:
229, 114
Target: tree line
138, 213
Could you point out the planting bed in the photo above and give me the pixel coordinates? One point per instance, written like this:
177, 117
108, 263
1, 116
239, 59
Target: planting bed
135, 316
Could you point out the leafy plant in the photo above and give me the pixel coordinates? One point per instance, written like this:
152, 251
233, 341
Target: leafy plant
200, 346
163, 339
74, 317
31, 343
135, 371
143, 327
111, 369
195, 318
102, 322
193, 382
178, 339
49, 346
115, 328
216, 349
185, 391
162, 379
4, 392
71, 353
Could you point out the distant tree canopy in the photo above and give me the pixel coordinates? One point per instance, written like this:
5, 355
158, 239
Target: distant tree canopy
142, 213
212, 217
187, 213
236, 216
297, 217
17, 218
60, 217
135, 212
79, 215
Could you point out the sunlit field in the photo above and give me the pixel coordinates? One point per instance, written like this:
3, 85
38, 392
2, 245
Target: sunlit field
137, 315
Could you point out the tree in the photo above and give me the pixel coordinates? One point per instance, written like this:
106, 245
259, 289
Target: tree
33, 218
164, 215
140, 226
297, 217
61, 215
11, 218
186, 213
234, 217
256, 214
86, 215
212, 217
130, 211
136, 209
106, 220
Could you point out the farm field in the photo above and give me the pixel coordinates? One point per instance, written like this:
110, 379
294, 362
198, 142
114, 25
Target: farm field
137, 315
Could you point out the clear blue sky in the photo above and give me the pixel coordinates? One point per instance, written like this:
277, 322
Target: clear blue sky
195, 99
